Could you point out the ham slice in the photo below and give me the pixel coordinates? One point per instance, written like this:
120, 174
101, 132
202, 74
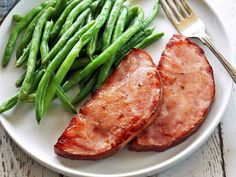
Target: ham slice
126, 104
188, 93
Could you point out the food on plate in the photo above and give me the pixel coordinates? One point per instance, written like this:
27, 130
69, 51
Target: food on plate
188, 93
58, 34
127, 103
80, 43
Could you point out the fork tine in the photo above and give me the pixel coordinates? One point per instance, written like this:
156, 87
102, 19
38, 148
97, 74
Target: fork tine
173, 10
167, 12
186, 6
183, 13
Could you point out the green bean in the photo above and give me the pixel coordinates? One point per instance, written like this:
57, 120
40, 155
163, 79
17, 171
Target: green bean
91, 47
131, 44
120, 25
98, 41
44, 48
97, 44
10, 103
29, 98
30, 29
62, 18
131, 15
53, 65
137, 38
112, 50
118, 31
80, 63
82, 24
15, 33
88, 87
20, 80
126, 48
49, 3
76, 73
153, 14
38, 76
148, 20
95, 5
58, 9
149, 40
62, 71
85, 80
34, 47
27, 36
74, 14
24, 57
61, 95
17, 18
89, 17
69, 2
65, 100
107, 35
63, 40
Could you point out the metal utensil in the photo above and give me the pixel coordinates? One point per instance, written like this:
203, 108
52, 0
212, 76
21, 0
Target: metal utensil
190, 25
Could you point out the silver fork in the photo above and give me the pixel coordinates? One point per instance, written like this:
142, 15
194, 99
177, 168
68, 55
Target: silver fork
190, 25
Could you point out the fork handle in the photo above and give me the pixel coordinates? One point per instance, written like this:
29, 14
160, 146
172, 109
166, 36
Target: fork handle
231, 70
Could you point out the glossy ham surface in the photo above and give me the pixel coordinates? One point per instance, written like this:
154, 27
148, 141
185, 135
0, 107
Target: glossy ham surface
126, 104
188, 93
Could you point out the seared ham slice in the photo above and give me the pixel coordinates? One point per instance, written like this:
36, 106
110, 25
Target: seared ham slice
126, 104
188, 93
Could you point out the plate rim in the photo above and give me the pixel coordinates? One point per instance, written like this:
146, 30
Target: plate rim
155, 168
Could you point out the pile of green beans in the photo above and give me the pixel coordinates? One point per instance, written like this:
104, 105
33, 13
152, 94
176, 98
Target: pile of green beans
76, 42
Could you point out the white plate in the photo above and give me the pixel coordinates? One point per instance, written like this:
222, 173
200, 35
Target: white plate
38, 140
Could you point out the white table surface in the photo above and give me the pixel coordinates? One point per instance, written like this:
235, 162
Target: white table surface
216, 158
